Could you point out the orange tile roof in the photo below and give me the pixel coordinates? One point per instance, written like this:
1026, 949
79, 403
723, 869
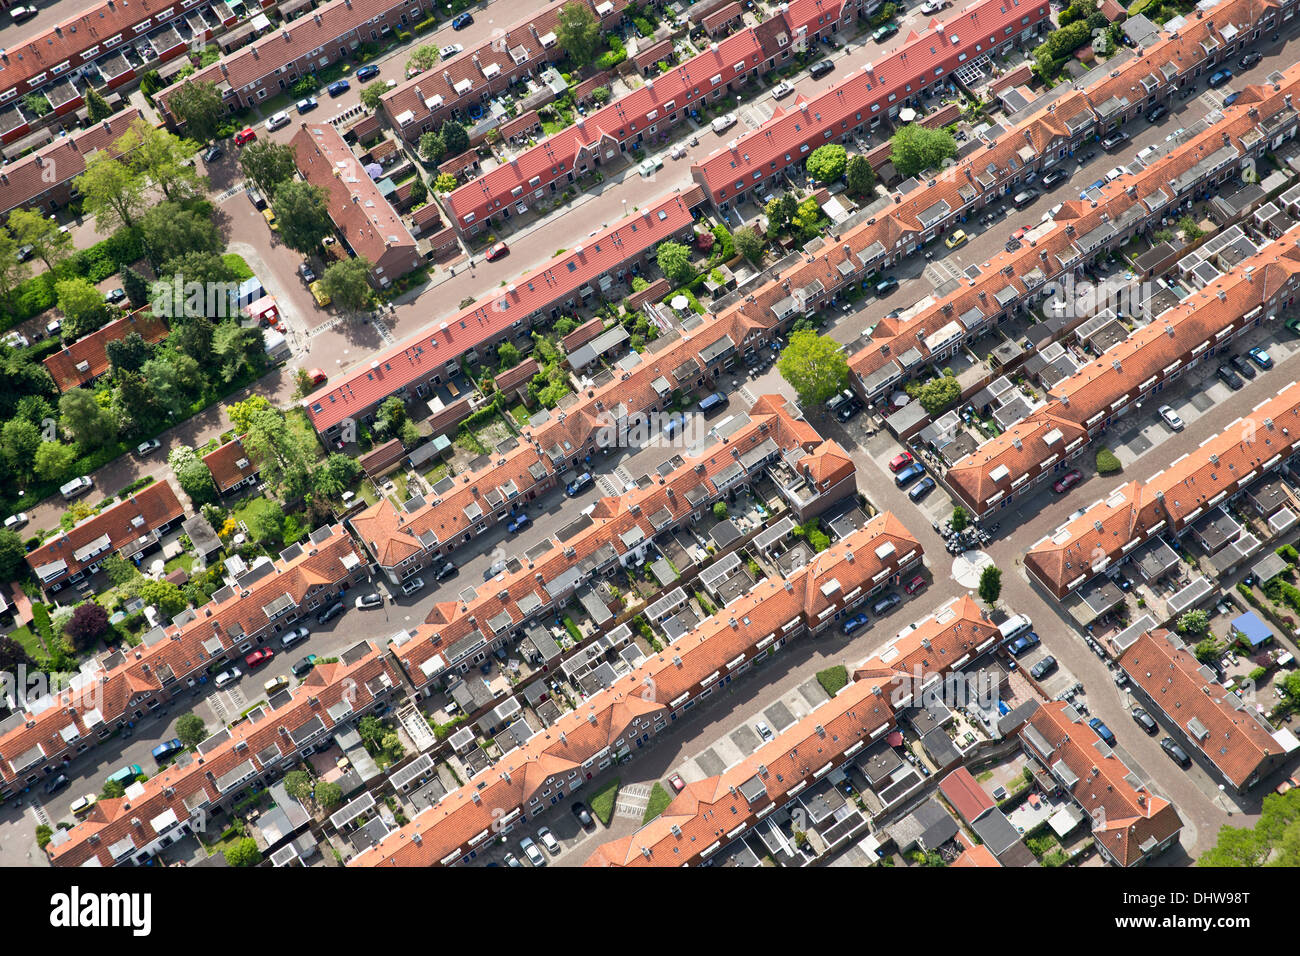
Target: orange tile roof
65, 366
28, 178
229, 465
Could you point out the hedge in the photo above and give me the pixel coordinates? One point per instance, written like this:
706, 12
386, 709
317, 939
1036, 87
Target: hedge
105, 258
1107, 463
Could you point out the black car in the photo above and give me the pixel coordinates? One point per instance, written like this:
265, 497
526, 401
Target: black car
303, 666
1249, 60
886, 285
1043, 668
1244, 368
1156, 112
580, 811
213, 154
1176, 753
57, 784
1229, 377
848, 410
1145, 720
1054, 178
447, 570
821, 68
331, 612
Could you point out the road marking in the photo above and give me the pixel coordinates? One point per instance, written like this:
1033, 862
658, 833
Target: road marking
230, 193
38, 811
632, 800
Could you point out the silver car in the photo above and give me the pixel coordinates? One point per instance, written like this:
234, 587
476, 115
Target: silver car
1170, 417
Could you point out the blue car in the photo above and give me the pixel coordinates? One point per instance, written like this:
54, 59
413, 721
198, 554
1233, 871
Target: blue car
462, 21
922, 488
338, 87
1097, 185
853, 623
366, 72
1219, 78
518, 522
1022, 643
1231, 98
166, 751
909, 474
1102, 731
578, 484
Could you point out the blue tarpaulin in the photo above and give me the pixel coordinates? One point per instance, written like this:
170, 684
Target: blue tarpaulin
1251, 629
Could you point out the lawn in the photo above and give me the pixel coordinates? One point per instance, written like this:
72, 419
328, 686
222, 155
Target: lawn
520, 414
250, 507
602, 801
297, 420
833, 679
659, 800
30, 640
237, 264
185, 561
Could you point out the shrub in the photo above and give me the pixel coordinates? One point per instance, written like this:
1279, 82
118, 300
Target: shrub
1107, 463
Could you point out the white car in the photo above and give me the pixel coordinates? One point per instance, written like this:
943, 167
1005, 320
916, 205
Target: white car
1116, 173
530, 850
148, 447
932, 6
764, 730
724, 122
1171, 417
450, 50
76, 486
782, 89
16, 340
277, 120
14, 522
228, 677
413, 585
1147, 155
548, 840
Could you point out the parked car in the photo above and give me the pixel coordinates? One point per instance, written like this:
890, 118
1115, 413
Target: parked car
269, 215
724, 122
914, 585
306, 272
1228, 377
886, 285
450, 50
848, 410
446, 570
274, 685
338, 87
303, 667
821, 68
548, 840
373, 599
909, 474
367, 73
293, 637
1219, 77
1242, 367
534, 855
165, 751
899, 460
57, 784
1022, 643
496, 252
16, 521
1115, 173
884, 32
1260, 358
1148, 155
82, 805
330, 613
932, 6
276, 120
213, 153
782, 89
1176, 753
512, 860
1144, 720
764, 731
1170, 417
126, 774
1249, 60
576, 486
884, 603
306, 105
412, 586
1157, 112
114, 296
1023, 199
1231, 98
956, 239
462, 20
228, 676
148, 447
921, 488
19, 14
258, 657
1054, 178
1043, 667
677, 783
77, 486
579, 810
245, 136
1067, 481
1114, 140
853, 623
1102, 730
518, 522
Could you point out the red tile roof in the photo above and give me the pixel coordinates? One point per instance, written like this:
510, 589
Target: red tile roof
230, 465
26, 179
966, 795
90, 351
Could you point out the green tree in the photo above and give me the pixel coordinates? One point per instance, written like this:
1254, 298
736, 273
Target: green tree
347, 282
298, 784
419, 191
113, 790
268, 164
174, 378
48, 243
960, 518
1194, 622
241, 414
422, 59
12, 272
191, 730
329, 795
454, 137
135, 287
19, 440
243, 853
236, 348
990, 588
169, 231
267, 524
197, 105
371, 730
163, 159
128, 354
284, 454
89, 423
815, 367
83, 306
508, 356
918, 148
97, 107
192, 475
110, 192
720, 510
861, 178
134, 403
55, 461
432, 148
939, 393
674, 261
578, 33
303, 213
601, 95
12, 554
445, 183
165, 596
372, 95
827, 163
1208, 649
780, 210
335, 475
807, 219
749, 244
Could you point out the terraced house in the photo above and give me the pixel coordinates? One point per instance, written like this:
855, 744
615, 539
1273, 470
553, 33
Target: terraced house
1083, 405
417, 367
124, 685
711, 813
42, 180
1104, 535
263, 745
460, 634
617, 721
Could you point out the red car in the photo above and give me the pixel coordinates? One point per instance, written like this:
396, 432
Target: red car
259, 657
245, 135
1067, 481
915, 584
497, 251
677, 783
1019, 234
900, 461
